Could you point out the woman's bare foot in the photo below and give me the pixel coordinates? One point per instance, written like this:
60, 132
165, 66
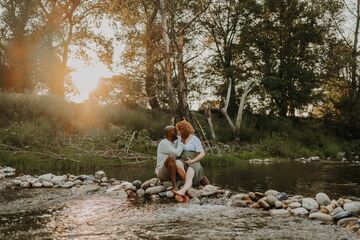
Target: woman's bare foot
181, 192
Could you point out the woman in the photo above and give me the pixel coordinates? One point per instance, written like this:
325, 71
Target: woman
193, 152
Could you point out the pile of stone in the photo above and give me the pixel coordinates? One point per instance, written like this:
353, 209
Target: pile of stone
6, 172
344, 212
50, 180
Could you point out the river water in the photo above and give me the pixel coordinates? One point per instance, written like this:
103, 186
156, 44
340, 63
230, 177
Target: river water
59, 214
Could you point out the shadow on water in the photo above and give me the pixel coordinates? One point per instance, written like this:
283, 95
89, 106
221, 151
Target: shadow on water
335, 178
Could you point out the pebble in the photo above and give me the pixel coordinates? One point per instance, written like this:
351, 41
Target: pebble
321, 217
322, 199
25, 185
310, 204
271, 200
140, 192
137, 183
100, 174
37, 185
299, 212
264, 204
47, 184
282, 196
154, 190
271, 192
341, 215
294, 205
347, 221
150, 183
278, 204
336, 211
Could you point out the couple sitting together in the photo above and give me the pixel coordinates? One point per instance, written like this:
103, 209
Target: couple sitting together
178, 156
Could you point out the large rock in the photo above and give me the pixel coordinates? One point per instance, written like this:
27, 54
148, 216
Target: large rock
209, 190
154, 190
323, 217
46, 177
322, 199
58, 180
341, 215
271, 192
348, 221
280, 212
353, 207
100, 174
193, 193
47, 184
68, 184
150, 183
37, 185
299, 212
310, 204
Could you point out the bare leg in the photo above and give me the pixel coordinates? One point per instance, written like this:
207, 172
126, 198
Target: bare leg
205, 181
171, 167
180, 170
188, 181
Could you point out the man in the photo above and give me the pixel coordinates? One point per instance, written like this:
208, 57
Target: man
167, 167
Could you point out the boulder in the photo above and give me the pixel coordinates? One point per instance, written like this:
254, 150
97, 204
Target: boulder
347, 221
310, 204
140, 192
321, 217
100, 174
271, 192
353, 207
299, 212
322, 199
280, 212
47, 184
342, 214
154, 190
294, 205
193, 193
209, 190
68, 184
271, 200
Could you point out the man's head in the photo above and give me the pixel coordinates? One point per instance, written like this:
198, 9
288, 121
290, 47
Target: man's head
170, 133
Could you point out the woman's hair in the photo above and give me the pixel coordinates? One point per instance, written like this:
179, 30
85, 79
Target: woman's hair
185, 129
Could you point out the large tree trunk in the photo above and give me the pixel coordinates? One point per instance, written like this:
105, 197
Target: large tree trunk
209, 120
182, 84
169, 80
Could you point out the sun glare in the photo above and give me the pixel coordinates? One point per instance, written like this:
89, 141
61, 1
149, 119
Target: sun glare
86, 79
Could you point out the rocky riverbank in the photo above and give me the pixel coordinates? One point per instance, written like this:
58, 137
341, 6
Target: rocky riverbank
342, 212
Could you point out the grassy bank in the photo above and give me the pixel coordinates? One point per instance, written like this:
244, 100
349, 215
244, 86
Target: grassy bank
48, 127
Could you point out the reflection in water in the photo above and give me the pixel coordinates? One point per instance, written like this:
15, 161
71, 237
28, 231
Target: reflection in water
334, 178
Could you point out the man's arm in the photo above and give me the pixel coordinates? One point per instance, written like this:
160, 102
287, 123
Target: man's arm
167, 148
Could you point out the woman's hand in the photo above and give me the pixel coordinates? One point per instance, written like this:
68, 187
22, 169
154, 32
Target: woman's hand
189, 161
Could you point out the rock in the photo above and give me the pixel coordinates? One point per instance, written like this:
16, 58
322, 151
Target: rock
137, 183
316, 158
100, 174
282, 196
294, 205
246, 197
330, 208
140, 192
321, 217
86, 189
47, 184
278, 204
252, 196
68, 184
88, 182
167, 184
209, 190
154, 190
238, 197
25, 184
46, 177
37, 185
104, 179
150, 183
341, 215
347, 221
336, 211
322, 199
78, 182
193, 193
238, 203
280, 212
170, 194
341, 202
8, 169
155, 198
271, 200
259, 194
131, 194
127, 186
104, 184
16, 182
353, 207
195, 200
310, 204
256, 205
2, 176
324, 210
58, 180
299, 212
271, 192
264, 204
